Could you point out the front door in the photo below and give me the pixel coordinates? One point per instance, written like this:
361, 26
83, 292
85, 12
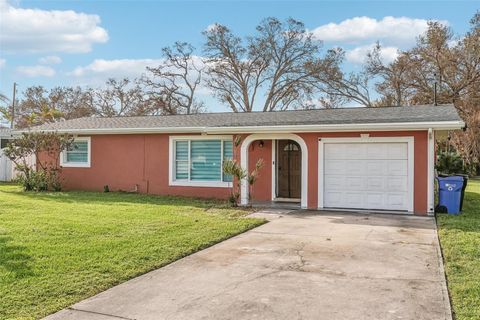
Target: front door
288, 169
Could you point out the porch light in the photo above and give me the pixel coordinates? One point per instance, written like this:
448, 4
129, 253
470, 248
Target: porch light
260, 144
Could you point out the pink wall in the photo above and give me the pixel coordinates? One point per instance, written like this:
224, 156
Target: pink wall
262, 189
121, 161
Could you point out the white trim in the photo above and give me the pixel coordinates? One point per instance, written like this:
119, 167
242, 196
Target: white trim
275, 136
410, 163
189, 183
211, 184
394, 126
431, 171
274, 169
320, 180
87, 164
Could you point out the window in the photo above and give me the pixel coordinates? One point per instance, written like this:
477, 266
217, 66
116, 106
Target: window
4, 143
78, 154
291, 146
198, 161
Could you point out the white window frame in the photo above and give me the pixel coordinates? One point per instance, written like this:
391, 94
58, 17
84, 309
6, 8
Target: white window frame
172, 162
69, 164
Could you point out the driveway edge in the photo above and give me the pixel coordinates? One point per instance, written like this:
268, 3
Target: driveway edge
446, 292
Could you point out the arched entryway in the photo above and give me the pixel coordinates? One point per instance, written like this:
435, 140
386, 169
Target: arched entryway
293, 149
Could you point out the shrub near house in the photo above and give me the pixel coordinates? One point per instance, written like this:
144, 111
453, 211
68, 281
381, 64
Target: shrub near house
45, 174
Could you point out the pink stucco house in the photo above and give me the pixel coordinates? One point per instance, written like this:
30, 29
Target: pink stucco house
376, 159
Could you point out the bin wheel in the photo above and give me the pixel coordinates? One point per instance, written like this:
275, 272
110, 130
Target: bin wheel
441, 209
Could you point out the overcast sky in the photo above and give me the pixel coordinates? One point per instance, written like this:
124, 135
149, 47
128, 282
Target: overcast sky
54, 43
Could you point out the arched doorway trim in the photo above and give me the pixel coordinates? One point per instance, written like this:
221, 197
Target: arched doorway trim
275, 136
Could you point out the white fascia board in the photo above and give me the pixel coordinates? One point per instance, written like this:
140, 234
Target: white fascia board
396, 126
399, 126
125, 130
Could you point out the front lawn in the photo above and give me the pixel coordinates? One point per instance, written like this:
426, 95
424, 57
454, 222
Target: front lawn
59, 248
460, 240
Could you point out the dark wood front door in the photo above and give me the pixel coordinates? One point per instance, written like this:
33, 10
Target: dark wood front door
288, 169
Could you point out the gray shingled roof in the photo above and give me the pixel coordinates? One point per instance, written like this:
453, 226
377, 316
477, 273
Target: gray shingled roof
5, 132
411, 114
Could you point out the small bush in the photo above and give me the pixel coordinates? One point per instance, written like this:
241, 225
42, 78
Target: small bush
450, 163
40, 180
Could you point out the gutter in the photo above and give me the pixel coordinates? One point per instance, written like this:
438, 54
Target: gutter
399, 126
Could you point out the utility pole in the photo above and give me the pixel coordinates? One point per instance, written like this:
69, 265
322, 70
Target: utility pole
13, 105
435, 90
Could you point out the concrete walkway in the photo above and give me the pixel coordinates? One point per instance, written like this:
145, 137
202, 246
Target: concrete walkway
306, 265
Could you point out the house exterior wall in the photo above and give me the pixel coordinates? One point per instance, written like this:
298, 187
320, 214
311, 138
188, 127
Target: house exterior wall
263, 189
123, 161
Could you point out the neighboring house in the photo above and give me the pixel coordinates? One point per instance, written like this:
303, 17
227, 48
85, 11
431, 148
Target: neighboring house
349, 158
6, 165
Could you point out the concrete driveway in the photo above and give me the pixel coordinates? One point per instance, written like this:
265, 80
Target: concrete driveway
306, 265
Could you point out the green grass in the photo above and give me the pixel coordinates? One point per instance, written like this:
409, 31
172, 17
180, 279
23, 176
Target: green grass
59, 248
460, 240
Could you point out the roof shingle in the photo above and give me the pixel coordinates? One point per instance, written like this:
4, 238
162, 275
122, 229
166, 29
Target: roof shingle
410, 114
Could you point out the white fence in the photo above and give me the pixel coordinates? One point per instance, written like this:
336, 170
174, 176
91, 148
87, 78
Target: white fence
6, 168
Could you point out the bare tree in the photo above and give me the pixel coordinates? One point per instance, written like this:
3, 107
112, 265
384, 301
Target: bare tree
3, 98
72, 102
395, 87
343, 87
279, 61
176, 81
120, 98
453, 64
5, 108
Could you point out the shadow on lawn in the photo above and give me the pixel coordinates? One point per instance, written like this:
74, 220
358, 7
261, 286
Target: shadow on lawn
109, 198
468, 220
13, 258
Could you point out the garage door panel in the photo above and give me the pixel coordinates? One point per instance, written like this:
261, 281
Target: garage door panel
335, 151
376, 167
396, 200
397, 167
396, 184
397, 151
366, 176
335, 167
354, 199
375, 200
376, 151
374, 183
334, 198
355, 167
335, 182
353, 183
354, 151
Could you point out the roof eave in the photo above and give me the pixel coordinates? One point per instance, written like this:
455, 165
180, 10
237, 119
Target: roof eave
396, 126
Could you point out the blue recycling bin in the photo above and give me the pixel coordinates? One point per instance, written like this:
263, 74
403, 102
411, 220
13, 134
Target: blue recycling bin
450, 193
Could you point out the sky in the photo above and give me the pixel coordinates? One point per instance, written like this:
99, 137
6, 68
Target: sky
64, 43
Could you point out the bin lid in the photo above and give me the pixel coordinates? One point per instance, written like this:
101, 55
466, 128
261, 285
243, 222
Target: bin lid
451, 178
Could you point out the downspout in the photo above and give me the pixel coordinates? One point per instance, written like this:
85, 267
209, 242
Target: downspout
431, 171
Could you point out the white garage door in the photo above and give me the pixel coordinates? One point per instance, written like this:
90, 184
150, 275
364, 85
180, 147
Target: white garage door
366, 176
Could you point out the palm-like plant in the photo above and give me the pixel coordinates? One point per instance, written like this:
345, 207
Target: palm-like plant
449, 163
